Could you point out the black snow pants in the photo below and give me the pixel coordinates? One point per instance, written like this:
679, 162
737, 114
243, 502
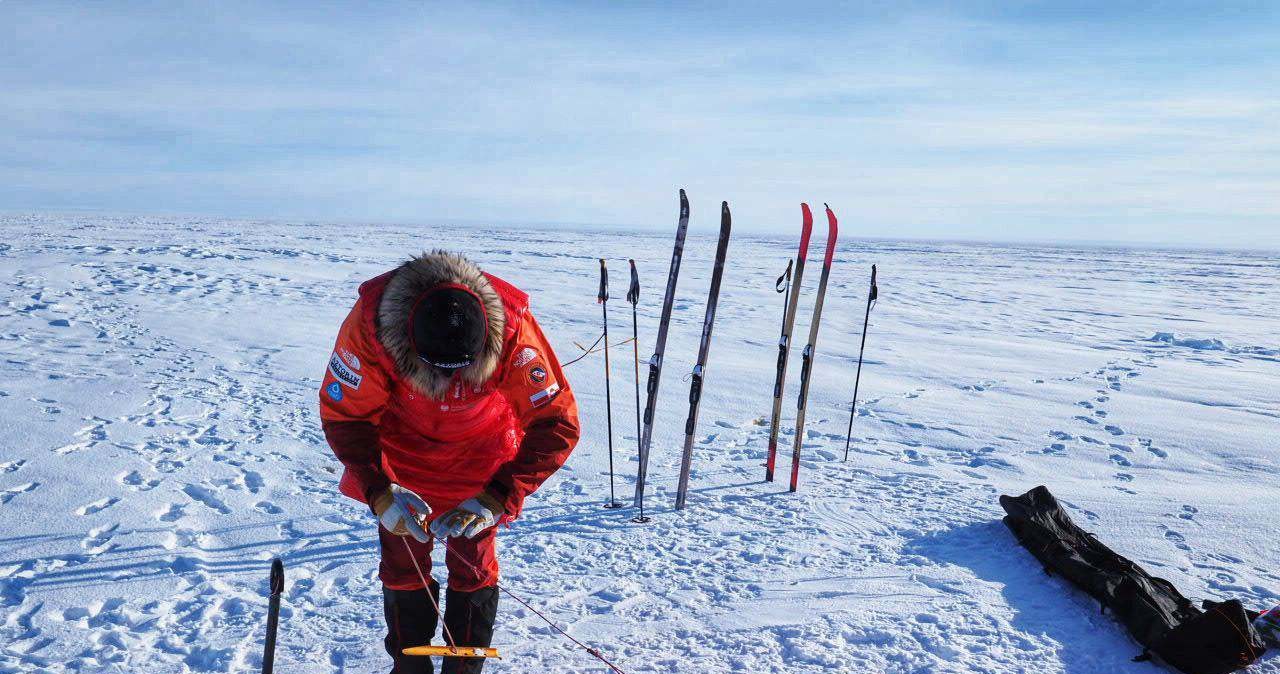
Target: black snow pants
411, 621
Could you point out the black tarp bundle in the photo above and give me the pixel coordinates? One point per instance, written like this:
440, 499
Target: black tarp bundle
1215, 639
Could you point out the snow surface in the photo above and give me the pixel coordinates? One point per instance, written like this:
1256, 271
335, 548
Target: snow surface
159, 443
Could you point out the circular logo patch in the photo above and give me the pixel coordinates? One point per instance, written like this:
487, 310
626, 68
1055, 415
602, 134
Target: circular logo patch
537, 375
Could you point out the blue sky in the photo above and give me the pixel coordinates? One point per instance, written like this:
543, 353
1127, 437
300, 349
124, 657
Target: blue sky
1059, 121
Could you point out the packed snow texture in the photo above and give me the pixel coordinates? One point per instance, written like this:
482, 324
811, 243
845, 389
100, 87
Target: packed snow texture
158, 389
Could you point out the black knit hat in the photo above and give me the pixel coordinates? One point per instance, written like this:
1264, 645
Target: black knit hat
448, 326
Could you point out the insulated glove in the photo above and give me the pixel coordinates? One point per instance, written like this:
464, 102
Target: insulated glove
471, 517
401, 512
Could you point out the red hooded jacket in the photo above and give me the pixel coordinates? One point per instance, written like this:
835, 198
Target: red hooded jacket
503, 424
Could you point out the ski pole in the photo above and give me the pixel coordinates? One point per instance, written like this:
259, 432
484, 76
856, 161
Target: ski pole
273, 615
872, 295
783, 286
633, 296
602, 298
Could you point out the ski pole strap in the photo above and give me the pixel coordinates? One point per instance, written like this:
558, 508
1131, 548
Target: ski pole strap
603, 295
633, 293
784, 281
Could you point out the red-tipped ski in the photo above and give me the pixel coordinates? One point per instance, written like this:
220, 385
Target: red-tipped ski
784, 342
806, 369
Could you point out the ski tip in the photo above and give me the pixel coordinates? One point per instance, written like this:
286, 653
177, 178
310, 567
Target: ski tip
724, 205
682, 195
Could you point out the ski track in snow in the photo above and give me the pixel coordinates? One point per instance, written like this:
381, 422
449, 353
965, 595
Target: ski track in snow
161, 444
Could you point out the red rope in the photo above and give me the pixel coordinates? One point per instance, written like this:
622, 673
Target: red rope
594, 652
434, 598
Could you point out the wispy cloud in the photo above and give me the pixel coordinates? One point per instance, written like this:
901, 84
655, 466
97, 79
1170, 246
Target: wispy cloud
1108, 121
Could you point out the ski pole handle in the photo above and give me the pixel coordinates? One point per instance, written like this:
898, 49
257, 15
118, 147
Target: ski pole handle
603, 295
784, 281
633, 293
874, 293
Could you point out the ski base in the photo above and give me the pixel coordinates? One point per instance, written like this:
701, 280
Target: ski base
453, 651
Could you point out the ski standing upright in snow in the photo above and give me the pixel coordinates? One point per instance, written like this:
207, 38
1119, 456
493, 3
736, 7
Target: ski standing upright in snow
872, 295
784, 342
655, 363
806, 369
602, 298
704, 347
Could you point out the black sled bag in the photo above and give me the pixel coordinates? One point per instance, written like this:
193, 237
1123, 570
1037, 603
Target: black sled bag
1216, 640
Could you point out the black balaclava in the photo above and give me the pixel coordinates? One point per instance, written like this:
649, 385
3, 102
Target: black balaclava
449, 327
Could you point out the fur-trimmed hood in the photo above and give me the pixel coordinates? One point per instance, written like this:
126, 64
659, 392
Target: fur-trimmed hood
406, 285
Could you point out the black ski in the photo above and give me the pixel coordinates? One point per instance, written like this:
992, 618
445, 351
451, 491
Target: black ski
784, 342
704, 346
806, 368
872, 295
655, 362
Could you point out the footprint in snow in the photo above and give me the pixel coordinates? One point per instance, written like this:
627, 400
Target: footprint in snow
1120, 460
99, 539
11, 466
268, 507
206, 496
1178, 539
171, 514
97, 506
134, 480
1114, 430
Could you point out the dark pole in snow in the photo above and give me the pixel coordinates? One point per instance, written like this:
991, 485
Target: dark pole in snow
633, 296
603, 299
273, 615
872, 295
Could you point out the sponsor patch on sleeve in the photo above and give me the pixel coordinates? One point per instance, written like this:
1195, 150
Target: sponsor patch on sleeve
537, 374
343, 373
525, 356
545, 396
335, 391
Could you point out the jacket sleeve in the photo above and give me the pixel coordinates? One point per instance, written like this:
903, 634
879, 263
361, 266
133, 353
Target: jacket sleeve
538, 391
353, 397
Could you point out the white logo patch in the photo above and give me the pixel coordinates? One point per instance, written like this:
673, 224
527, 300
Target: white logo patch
526, 356
342, 373
351, 359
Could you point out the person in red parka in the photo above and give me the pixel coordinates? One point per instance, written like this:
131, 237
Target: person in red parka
447, 408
